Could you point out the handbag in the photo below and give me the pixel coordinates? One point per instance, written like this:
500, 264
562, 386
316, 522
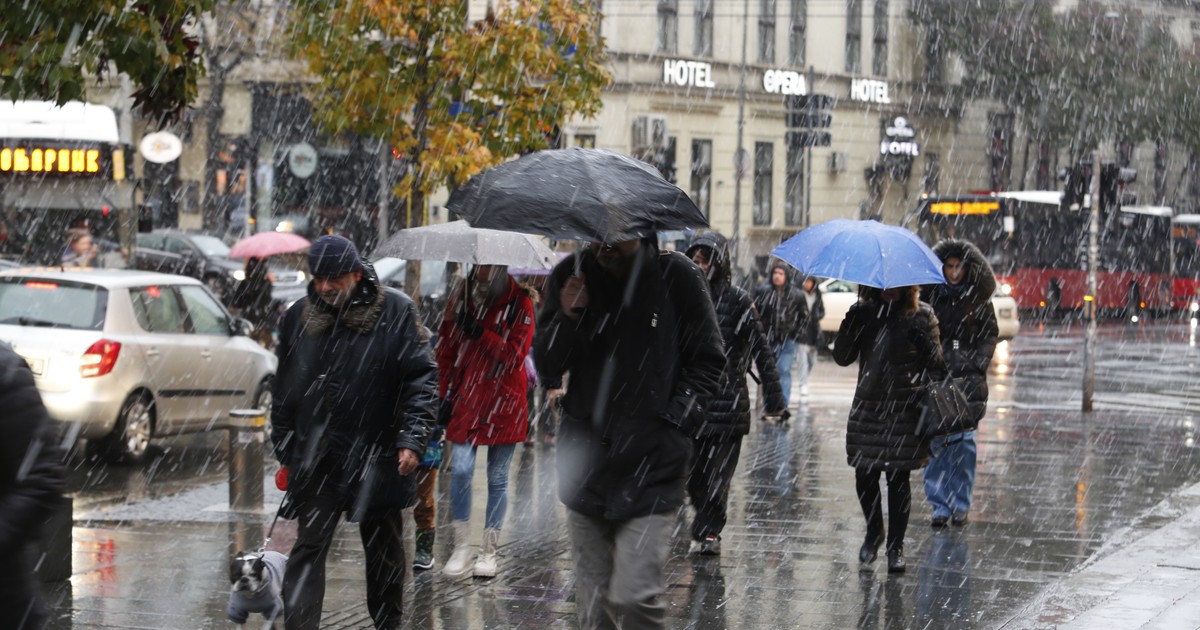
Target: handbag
945, 408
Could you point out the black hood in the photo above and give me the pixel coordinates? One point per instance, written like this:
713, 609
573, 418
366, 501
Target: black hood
979, 277
719, 263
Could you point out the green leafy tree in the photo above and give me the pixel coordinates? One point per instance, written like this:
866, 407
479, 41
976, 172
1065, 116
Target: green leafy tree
49, 49
448, 97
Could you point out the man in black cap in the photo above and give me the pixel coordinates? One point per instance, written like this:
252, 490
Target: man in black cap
354, 404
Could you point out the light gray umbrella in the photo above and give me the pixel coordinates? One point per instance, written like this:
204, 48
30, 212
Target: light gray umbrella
459, 242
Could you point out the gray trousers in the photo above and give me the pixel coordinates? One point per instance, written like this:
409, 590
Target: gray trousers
619, 570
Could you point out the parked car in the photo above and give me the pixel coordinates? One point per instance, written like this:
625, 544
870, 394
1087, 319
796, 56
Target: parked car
196, 255
122, 356
838, 295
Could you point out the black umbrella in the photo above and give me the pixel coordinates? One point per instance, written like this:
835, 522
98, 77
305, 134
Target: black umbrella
576, 194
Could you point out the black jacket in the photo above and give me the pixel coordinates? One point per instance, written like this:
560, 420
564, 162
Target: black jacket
353, 387
783, 312
31, 484
810, 327
742, 333
644, 358
967, 321
896, 353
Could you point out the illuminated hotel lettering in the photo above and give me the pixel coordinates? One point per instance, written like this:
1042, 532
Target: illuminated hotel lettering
49, 160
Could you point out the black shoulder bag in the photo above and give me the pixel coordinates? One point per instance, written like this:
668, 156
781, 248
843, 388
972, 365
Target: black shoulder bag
945, 409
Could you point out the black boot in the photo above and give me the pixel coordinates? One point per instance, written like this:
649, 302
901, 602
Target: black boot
869, 550
423, 559
895, 559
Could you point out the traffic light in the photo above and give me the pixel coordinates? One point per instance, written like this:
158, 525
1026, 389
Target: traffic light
1079, 178
1113, 179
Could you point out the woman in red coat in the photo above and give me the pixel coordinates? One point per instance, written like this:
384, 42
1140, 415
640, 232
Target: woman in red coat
483, 340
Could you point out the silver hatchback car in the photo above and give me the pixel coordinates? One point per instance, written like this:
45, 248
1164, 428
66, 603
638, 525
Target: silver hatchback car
122, 356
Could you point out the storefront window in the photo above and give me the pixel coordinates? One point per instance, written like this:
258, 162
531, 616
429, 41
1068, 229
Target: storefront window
585, 140
704, 28
766, 31
798, 36
763, 168
668, 26
853, 35
701, 189
879, 54
793, 195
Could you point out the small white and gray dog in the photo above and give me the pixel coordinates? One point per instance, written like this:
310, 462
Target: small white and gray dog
257, 579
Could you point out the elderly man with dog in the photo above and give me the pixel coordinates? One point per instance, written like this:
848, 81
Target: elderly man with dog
355, 401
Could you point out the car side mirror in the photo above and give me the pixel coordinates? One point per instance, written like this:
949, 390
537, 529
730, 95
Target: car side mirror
241, 326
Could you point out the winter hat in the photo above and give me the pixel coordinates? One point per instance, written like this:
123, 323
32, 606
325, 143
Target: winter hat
333, 255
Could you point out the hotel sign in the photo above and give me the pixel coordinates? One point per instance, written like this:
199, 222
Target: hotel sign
685, 73
869, 91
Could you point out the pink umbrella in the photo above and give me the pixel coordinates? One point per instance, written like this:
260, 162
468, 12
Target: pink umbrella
266, 244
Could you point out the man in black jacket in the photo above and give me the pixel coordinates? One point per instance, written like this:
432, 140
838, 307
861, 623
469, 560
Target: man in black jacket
354, 406
718, 443
784, 311
636, 332
31, 474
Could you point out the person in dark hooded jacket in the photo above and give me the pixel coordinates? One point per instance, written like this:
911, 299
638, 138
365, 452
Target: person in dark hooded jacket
967, 322
355, 400
634, 329
31, 483
783, 310
894, 338
718, 443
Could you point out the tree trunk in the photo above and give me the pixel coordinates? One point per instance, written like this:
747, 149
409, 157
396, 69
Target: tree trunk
214, 112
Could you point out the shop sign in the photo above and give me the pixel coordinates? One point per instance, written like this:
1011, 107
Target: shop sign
899, 139
58, 160
785, 82
685, 73
869, 91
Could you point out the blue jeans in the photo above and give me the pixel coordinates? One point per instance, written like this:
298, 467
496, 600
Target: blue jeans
950, 476
462, 469
785, 354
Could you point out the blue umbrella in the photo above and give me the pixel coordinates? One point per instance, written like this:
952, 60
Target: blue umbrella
866, 252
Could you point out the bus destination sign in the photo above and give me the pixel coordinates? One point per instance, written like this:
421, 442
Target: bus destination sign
964, 207
49, 159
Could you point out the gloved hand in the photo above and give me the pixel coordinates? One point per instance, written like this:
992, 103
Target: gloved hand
920, 341
468, 324
281, 478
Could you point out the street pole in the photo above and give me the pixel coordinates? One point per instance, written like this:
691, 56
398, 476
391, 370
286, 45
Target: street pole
1089, 303
739, 164
808, 152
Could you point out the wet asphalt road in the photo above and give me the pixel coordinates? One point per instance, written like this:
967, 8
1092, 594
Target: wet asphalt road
1053, 486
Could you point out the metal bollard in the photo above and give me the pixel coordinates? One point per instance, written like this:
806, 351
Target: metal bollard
247, 440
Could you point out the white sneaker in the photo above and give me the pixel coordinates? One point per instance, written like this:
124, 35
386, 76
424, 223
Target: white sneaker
804, 390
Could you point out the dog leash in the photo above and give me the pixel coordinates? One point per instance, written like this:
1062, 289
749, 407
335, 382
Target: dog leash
262, 548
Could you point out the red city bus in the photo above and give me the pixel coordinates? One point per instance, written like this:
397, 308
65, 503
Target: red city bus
1185, 250
1039, 250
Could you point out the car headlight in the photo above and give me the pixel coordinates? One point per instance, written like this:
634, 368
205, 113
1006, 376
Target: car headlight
238, 274
1006, 289
300, 277
1194, 306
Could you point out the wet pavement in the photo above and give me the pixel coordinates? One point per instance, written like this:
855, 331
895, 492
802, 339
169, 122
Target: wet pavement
1064, 501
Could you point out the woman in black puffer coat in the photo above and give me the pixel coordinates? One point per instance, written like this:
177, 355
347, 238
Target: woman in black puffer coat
967, 322
718, 443
894, 338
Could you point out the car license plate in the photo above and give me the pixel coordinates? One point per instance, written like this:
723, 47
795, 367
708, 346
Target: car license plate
1006, 313
36, 365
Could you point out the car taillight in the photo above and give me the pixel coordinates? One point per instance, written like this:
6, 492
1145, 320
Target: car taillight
99, 359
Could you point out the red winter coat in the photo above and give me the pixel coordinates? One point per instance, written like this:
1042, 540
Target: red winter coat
487, 374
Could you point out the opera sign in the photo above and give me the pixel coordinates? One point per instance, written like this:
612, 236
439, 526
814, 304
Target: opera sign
785, 82
899, 139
